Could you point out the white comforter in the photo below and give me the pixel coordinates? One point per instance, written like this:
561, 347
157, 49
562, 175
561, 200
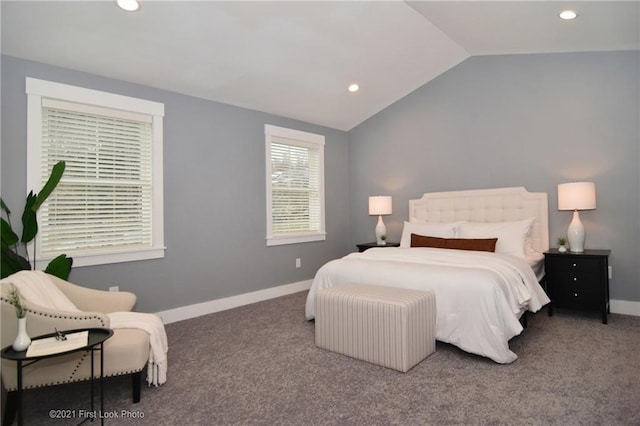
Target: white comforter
479, 295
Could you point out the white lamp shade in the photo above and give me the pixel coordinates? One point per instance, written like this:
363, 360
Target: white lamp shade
577, 196
380, 204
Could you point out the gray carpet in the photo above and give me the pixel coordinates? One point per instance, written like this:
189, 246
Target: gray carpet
258, 365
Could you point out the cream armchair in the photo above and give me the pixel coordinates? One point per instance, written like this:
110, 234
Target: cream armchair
126, 352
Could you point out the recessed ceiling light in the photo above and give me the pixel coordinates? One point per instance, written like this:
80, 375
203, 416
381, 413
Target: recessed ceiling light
129, 5
568, 15
354, 87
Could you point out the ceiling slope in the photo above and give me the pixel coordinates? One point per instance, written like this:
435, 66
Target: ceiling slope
514, 27
296, 59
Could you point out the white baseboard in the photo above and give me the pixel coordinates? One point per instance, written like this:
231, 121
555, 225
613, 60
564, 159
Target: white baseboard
205, 308
625, 307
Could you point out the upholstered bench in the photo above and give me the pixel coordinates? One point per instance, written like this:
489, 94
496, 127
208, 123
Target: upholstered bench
391, 327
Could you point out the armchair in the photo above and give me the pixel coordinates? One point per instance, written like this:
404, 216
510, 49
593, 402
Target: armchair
126, 352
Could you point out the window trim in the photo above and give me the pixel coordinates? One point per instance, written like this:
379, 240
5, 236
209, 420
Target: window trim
36, 90
303, 139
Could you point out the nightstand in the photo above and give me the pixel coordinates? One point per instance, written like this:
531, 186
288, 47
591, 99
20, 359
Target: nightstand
366, 246
578, 280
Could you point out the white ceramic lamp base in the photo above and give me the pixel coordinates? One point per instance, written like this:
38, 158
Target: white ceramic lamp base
381, 231
576, 234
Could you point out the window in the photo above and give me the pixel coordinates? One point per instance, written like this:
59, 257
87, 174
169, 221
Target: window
108, 207
295, 186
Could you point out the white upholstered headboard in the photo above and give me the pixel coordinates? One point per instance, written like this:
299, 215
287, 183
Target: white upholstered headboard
486, 205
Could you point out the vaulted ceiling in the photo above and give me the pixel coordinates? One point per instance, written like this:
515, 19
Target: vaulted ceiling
296, 59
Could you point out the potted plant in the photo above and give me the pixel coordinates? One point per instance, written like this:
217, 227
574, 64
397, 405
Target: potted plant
562, 244
11, 260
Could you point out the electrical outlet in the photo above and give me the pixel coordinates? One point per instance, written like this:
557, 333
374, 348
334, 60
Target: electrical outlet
298, 262
114, 288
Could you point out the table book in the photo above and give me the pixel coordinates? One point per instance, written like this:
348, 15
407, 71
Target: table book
53, 345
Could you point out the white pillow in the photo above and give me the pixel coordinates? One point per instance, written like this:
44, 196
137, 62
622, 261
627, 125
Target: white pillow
428, 229
512, 236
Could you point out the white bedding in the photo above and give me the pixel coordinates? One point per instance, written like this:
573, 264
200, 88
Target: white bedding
536, 262
479, 295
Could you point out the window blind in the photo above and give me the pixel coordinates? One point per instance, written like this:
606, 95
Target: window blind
295, 188
104, 201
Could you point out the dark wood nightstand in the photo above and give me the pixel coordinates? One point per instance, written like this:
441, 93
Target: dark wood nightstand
366, 246
578, 280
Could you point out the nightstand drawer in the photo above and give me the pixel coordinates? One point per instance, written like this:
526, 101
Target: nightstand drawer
582, 273
577, 297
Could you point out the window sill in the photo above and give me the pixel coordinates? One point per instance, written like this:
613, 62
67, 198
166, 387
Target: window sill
278, 241
104, 259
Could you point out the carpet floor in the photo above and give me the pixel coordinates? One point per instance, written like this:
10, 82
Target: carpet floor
258, 365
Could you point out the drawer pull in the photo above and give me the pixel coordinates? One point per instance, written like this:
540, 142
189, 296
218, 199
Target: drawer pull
575, 279
575, 294
575, 265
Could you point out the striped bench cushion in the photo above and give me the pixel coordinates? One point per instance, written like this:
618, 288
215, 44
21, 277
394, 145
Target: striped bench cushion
391, 327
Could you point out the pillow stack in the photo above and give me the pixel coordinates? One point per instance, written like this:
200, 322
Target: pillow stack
510, 238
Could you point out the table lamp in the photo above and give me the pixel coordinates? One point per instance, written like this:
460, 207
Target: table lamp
380, 204
576, 196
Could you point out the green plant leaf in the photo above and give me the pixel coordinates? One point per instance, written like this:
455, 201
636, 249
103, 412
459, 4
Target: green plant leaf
9, 237
52, 182
11, 263
29, 220
4, 207
60, 266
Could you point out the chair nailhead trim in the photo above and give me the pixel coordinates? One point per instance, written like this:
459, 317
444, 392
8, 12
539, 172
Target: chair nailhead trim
75, 317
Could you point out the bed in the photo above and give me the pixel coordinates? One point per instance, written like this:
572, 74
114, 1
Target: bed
480, 295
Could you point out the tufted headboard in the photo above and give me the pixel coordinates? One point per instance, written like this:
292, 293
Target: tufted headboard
486, 205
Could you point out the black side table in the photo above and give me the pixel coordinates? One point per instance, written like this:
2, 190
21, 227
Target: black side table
578, 280
366, 246
97, 336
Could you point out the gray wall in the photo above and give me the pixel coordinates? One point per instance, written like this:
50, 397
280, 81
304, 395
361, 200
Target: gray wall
214, 176
514, 120
525, 120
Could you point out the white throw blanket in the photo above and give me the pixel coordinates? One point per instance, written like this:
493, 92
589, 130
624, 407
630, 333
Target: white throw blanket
152, 324
36, 288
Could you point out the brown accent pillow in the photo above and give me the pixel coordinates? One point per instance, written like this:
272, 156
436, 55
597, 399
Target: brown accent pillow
426, 241
475, 244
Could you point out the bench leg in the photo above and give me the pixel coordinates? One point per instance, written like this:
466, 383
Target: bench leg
136, 380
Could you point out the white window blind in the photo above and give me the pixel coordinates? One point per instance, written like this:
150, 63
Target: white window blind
295, 186
108, 206
104, 201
